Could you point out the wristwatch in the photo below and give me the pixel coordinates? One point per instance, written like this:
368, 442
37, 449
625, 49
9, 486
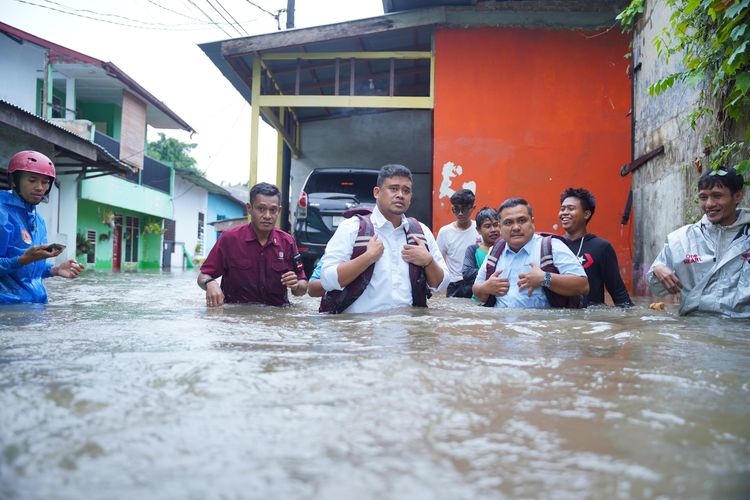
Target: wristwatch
547, 280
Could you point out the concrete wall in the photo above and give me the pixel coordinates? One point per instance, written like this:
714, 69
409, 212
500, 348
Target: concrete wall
664, 189
189, 199
528, 113
371, 141
111, 190
20, 66
220, 206
60, 215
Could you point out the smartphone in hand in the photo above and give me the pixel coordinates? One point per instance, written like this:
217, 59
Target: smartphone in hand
53, 247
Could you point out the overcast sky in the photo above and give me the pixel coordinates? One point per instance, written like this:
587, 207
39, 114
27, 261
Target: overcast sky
155, 42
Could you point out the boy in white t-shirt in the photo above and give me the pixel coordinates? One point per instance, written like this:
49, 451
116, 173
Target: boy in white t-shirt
453, 239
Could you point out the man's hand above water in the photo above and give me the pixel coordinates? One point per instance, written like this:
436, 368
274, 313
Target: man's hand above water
668, 278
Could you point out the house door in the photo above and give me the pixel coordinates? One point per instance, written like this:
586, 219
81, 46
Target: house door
117, 244
166, 254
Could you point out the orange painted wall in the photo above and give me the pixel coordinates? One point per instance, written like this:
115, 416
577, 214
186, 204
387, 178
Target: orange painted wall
529, 112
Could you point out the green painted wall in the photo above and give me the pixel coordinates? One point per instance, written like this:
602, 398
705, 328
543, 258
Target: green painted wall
111, 114
112, 190
90, 214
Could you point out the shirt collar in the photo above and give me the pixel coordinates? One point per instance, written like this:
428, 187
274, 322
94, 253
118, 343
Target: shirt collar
524, 249
273, 238
379, 220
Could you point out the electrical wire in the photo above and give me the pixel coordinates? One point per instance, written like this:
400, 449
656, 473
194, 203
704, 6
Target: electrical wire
223, 17
275, 16
230, 15
127, 25
176, 12
209, 18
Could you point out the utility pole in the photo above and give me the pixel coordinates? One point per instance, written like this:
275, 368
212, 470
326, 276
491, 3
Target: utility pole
289, 14
285, 153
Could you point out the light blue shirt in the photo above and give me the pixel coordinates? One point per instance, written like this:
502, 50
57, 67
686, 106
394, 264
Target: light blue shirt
316, 272
514, 263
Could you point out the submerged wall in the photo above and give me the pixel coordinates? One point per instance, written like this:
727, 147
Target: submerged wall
529, 112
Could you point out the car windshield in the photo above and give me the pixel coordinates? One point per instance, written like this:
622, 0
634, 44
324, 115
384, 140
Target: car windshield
358, 184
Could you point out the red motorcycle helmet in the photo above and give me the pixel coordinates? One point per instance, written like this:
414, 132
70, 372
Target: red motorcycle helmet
32, 161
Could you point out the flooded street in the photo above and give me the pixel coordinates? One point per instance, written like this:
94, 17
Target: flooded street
126, 386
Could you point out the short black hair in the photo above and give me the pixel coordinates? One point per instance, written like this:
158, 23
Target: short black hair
265, 189
393, 170
484, 214
587, 199
514, 202
463, 198
723, 177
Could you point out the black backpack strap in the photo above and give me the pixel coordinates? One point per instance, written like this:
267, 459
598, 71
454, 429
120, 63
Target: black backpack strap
495, 252
337, 301
420, 292
547, 264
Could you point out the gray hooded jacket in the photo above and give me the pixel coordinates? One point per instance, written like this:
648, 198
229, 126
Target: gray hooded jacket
711, 261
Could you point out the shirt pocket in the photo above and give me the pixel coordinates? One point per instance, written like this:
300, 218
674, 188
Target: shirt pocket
280, 267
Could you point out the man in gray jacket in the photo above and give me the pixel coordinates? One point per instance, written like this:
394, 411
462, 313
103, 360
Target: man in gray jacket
707, 262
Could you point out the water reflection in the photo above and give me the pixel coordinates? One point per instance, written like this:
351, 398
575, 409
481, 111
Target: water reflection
126, 385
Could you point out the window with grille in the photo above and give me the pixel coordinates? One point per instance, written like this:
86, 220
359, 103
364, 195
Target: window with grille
132, 232
91, 250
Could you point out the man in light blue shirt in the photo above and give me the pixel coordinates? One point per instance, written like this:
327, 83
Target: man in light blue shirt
518, 281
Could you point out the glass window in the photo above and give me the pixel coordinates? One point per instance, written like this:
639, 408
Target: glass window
91, 252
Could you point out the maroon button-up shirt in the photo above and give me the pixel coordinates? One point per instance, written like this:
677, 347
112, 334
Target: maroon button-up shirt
251, 272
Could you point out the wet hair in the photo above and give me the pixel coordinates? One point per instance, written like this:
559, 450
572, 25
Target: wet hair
722, 177
588, 200
265, 189
463, 198
514, 202
393, 170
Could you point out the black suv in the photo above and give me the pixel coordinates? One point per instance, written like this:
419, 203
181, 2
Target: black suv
327, 193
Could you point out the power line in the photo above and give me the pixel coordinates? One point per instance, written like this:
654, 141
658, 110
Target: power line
230, 15
209, 18
176, 12
127, 25
223, 17
275, 16
73, 9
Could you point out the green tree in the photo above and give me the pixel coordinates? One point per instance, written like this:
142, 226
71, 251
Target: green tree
171, 150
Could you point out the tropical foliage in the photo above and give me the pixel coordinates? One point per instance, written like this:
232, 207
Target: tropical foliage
712, 37
170, 150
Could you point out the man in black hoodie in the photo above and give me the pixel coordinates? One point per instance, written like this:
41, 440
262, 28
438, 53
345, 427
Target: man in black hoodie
595, 254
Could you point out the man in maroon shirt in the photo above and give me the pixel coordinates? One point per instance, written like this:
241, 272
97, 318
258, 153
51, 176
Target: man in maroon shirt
256, 262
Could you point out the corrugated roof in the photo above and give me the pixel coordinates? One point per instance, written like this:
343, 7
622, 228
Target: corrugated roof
73, 153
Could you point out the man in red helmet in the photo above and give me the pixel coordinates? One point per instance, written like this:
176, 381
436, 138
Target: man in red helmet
23, 235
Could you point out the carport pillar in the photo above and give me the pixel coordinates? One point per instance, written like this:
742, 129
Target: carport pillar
254, 121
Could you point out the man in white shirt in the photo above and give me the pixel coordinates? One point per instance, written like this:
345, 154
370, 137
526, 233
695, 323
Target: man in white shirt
518, 281
454, 238
390, 285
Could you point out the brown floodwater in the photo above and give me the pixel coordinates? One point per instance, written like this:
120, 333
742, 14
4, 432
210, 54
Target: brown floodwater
125, 386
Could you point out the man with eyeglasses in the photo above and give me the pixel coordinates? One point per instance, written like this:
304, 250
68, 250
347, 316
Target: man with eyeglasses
453, 240
397, 266
257, 262
517, 279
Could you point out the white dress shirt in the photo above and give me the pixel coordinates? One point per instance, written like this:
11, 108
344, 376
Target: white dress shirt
514, 263
390, 286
